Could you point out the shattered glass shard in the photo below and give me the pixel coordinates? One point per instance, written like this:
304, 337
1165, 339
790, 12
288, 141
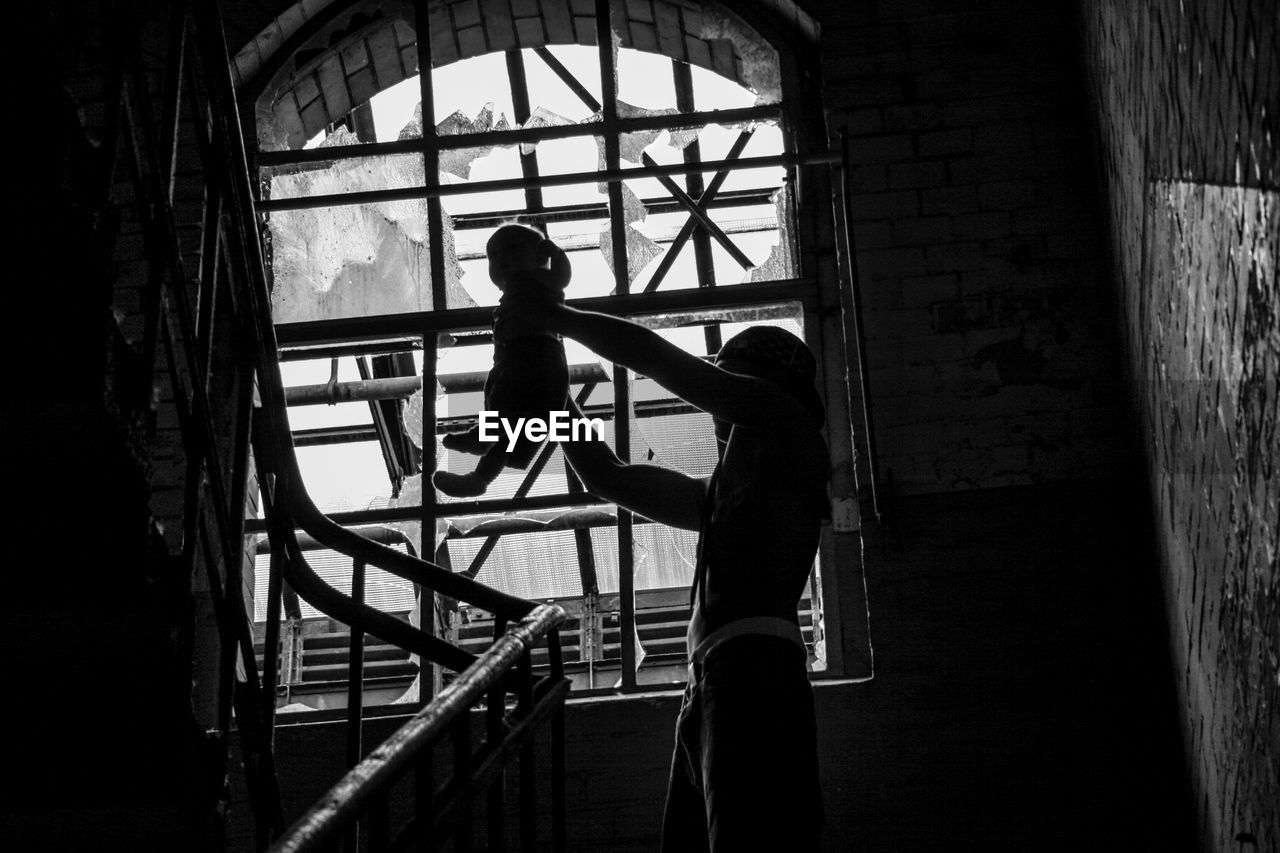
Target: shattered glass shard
755, 62
778, 266
640, 251
541, 117
356, 260
458, 161
411, 496
633, 209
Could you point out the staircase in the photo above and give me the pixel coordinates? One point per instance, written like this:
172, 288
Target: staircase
121, 626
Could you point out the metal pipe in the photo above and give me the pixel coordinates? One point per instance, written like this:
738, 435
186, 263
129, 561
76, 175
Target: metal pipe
399, 387
855, 290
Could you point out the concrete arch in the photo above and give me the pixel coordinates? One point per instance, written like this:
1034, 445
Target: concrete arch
316, 61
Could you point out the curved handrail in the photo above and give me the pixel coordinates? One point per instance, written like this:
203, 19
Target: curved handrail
296, 508
324, 822
273, 443
333, 535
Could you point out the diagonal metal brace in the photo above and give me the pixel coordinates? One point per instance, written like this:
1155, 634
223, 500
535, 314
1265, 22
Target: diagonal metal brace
694, 208
686, 231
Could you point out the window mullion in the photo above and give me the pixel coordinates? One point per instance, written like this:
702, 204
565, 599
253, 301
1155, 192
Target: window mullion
621, 386
439, 302
582, 538
693, 183
520, 102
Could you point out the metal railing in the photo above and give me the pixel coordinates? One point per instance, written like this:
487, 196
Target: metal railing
233, 258
365, 794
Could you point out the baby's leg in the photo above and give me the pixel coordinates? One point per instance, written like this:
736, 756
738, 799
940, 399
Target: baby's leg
523, 453
477, 482
466, 442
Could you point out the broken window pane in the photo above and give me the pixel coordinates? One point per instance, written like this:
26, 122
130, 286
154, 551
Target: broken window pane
388, 172
469, 86
754, 60
497, 164
567, 156
377, 256
540, 565
780, 263
581, 61
640, 251
411, 496
356, 261
383, 591
541, 117
363, 484
661, 557
645, 79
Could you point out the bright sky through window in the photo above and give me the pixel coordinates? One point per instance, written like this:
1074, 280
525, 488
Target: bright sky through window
469, 86
352, 475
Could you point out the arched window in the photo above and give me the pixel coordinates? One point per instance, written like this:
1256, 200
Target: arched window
662, 161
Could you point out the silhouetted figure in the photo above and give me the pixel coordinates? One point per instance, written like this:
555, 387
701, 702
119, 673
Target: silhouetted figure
530, 377
744, 773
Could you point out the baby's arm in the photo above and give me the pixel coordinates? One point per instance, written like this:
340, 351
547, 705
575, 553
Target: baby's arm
561, 271
556, 277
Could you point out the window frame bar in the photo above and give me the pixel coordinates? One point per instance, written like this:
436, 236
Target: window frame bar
622, 287
514, 136
610, 176
704, 200
696, 200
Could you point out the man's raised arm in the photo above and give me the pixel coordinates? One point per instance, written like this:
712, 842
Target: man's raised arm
659, 494
731, 397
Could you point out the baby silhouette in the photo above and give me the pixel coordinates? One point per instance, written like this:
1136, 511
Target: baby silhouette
530, 377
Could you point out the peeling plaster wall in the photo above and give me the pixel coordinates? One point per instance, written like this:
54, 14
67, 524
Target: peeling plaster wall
1186, 94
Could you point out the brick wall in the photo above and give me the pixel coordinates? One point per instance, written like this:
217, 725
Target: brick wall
1186, 96
1015, 687
976, 226
364, 49
977, 241
1019, 700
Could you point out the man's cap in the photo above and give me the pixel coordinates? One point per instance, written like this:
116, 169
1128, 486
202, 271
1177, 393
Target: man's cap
775, 350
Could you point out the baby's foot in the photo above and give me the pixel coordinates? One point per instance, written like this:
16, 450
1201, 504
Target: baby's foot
460, 485
464, 442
